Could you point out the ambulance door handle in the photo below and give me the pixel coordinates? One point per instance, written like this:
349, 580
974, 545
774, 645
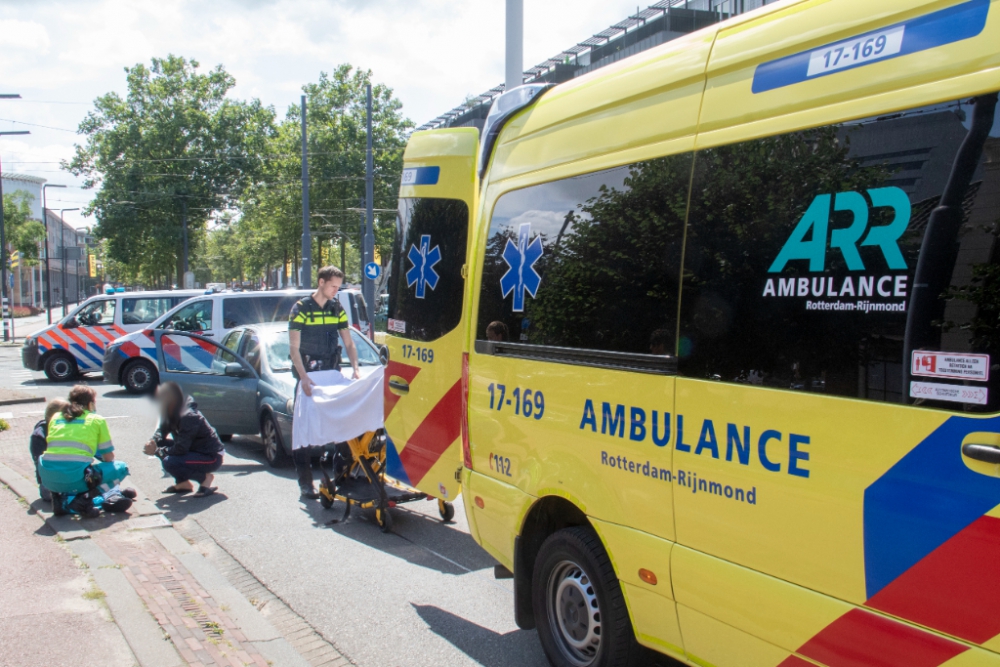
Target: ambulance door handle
399, 385
985, 453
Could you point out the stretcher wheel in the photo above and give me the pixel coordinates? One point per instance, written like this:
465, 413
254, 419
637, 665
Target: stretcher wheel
446, 510
384, 519
325, 500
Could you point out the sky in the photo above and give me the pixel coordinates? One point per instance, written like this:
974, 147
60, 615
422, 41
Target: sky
62, 54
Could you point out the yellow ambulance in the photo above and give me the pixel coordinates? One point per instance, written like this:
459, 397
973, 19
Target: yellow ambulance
717, 330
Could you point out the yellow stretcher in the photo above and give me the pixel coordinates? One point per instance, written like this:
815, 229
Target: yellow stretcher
359, 479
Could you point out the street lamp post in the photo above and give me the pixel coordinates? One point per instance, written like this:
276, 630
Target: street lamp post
3, 239
45, 221
62, 255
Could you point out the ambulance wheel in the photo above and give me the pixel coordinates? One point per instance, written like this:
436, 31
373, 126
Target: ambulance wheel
580, 610
274, 449
139, 377
60, 367
384, 519
446, 510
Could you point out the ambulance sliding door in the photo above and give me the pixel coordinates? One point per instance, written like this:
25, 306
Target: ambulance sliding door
426, 288
839, 344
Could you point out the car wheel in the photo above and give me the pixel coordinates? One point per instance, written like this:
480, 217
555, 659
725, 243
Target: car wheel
274, 449
139, 377
583, 620
60, 367
225, 437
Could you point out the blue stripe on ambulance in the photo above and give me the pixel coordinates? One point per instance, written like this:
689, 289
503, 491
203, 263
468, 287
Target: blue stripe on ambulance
930, 31
924, 500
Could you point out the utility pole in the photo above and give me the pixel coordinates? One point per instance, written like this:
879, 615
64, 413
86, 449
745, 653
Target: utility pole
62, 255
184, 233
367, 284
47, 289
514, 69
305, 274
3, 244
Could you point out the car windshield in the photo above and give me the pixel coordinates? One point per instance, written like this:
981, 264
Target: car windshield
279, 357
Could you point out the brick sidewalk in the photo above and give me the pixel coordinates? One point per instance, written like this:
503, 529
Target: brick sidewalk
199, 627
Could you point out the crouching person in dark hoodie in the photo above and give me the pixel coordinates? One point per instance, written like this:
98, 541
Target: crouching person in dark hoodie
185, 442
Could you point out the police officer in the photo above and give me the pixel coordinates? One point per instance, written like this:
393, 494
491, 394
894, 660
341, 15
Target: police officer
316, 327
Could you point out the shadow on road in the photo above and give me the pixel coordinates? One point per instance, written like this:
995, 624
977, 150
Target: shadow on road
180, 506
488, 648
416, 538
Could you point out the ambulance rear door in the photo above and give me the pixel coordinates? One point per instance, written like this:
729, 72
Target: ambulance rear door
426, 285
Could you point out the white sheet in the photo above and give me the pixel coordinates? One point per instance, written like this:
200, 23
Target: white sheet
339, 409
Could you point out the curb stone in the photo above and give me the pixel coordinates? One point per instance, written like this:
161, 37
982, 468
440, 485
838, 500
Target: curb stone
150, 643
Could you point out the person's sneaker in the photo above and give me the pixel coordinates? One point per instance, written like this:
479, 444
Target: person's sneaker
84, 506
308, 493
44, 493
58, 504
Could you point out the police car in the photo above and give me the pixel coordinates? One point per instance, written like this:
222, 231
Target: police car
76, 343
131, 360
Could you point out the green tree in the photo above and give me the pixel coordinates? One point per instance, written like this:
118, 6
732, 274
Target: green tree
23, 234
272, 209
175, 144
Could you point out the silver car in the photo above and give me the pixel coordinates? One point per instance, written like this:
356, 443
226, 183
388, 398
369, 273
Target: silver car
244, 383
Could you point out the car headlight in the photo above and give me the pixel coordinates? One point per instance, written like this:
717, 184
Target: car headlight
31, 342
290, 406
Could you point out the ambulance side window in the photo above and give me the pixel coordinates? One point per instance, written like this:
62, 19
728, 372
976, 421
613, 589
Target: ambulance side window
425, 276
590, 262
802, 254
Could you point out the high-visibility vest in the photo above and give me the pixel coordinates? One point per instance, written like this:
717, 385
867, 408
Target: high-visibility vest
78, 440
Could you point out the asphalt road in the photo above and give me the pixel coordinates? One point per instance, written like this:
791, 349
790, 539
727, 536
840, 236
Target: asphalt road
421, 595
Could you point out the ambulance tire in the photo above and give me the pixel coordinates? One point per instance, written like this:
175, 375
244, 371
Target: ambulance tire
139, 377
446, 510
60, 367
573, 574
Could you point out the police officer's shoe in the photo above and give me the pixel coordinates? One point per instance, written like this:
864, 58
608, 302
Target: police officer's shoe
308, 493
84, 506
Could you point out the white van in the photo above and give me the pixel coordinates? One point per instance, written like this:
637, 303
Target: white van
130, 361
76, 343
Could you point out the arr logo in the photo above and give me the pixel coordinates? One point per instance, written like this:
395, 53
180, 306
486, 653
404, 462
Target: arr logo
816, 220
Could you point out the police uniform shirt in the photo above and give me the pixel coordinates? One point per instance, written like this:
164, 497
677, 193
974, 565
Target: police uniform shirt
319, 329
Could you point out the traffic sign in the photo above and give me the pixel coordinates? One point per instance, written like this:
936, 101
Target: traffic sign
373, 270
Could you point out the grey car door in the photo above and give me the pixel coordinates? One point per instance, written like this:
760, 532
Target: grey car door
222, 382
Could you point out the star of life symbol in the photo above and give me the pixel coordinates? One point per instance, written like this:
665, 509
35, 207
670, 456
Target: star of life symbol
521, 277
422, 274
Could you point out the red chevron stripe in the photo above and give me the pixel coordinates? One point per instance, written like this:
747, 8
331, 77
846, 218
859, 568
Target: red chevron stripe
401, 370
953, 589
439, 429
861, 638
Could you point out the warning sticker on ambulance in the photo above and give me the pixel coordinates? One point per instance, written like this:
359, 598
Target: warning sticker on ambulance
953, 393
396, 326
957, 366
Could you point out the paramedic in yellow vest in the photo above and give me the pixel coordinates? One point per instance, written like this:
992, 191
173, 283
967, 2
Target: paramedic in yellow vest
79, 458
317, 326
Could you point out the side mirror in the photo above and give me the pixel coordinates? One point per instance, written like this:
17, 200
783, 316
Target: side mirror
236, 370
71, 323
383, 354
